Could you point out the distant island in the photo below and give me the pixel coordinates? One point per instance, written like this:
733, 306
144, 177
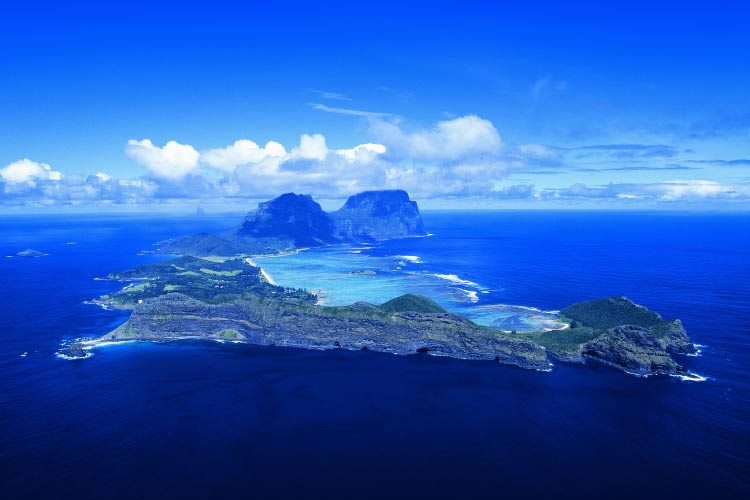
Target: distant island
214, 291
294, 221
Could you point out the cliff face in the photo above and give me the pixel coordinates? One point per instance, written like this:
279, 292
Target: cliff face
378, 215
632, 348
359, 326
295, 217
621, 333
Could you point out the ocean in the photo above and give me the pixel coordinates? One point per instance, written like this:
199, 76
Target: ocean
209, 420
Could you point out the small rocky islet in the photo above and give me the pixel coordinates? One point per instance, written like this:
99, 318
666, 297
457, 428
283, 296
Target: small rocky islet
211, 292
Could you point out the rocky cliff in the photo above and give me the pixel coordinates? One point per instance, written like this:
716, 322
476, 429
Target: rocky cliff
294, 217
360, 326
621, 333
378, 215
229, 299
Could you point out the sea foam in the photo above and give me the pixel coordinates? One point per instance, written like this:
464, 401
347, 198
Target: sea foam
414, 259
690, 377
455, 279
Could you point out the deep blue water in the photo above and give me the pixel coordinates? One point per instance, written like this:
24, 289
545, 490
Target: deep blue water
203, 420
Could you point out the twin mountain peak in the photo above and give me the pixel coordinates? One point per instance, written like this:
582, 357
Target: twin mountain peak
297, 221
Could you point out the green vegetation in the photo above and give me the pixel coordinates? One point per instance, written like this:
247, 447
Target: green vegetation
202, 245
411, 303
229, 334
229, 299
358, 309
216, 258
137, 288
221, 273
568, 340
602, 314
592, 323
218, 248
206, 280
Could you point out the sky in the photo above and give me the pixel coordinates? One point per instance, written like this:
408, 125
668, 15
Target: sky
137, 105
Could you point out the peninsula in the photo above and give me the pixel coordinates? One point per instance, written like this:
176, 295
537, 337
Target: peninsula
212, 291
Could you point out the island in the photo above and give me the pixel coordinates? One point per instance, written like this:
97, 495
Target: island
296, 221
214, 291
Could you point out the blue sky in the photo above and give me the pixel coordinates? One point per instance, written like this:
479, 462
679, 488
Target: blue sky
464, 104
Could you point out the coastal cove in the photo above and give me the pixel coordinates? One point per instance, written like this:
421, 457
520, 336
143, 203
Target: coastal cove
275, 409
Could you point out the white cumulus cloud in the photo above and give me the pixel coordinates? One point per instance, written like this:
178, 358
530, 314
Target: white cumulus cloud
363, 152
28, 172
173, 161
241, 152
311, 147
450, 140
685, 190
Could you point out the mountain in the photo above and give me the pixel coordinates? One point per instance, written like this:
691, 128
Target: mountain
202, 244
378, 215
294, 221
295, 217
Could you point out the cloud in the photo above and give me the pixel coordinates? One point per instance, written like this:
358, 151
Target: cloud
311, 147
333, 96
544, 172
76, 190
463, 156
350, 112
28, 172
310, 167
362, 153
242, 151
721, 126
457, 158
724, 163
173, 161
635, 168
402, 95
630, 151
449, 141
698, 189
547, 86
666, 191
514, 192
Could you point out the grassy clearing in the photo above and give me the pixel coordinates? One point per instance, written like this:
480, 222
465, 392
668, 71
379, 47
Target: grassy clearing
221, 273
568, 340
138, 288
229, 334
218, 259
